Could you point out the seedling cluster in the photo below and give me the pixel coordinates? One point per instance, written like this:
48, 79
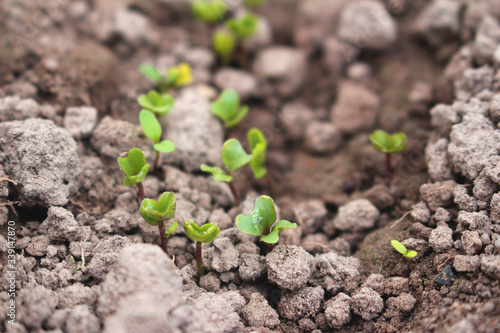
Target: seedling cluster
402, 249
176, 76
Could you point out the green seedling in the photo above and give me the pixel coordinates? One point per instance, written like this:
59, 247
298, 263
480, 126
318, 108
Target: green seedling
258, 147
177, 76
134, 165
227, 108
204, 234
234, 157
388, 144
402, 249
152, 129
243, 28
262, 222
156, 103
255, 3
209, 11
156, 213
224, 44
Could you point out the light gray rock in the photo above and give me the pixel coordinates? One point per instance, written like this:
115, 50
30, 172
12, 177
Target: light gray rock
104, 257
76, 294
487, 40
443, 117
397, 306
283, 69
357, 215
35, 306
302, 303
355, 109
296, 116
38, 246
322, 137
259, 313
495, 208
367, 24
196, 133
467, 263
436, 157
439, 21
421, 213
438, 194
252, 267
42, 158
335, 273
337, 54
495, 107
473, 81
472, 144
338, 311
367, 303
226, 257
441, 239
463, 199
289, 267
312, 214
15, 108
471, 242
60, 225
244, 83
215, 313
490, 265
80, 121
82, 319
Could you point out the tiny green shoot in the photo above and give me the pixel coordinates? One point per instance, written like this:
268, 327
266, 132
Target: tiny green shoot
152, 129
388, 144
209, 11
258, 147
234, 157
133, 164
156, 213
177, 76
243, 27
204, 234
156, 103
227, 108
402, 249
255, 3
224, 44
262, 222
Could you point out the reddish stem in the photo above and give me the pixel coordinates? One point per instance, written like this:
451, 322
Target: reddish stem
388, 166
235, 194
157, 160
163, 237
140, 187
199, 259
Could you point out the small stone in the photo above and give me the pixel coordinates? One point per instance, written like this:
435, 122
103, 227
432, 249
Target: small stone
82, 319
312, 214
322, 137
402, 304
421, 213
302, 303
105, 255
38, 305
463, 199
441, 239
338, 311
357, 215
471, 242
289, 267
60, 225
226, 256
259, 313
38, 246
490, 265
436, 157
463, 263
210, 282
437, 195
442, 215
244, 83
445, 276
296, 117
395, 285
80, 121
252, 267
367, 303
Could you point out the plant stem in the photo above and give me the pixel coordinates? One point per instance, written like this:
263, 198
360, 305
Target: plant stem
163, 237
243, 55
140, 187
270, 247
409, 263
157, 159
388, 166
235, 194
199, 259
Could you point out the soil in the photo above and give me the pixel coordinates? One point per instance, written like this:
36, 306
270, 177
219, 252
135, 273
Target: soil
76, 256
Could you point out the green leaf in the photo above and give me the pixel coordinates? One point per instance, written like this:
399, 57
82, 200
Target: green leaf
260, 220
258, 145
166, 146
171, 229
226, 106
155, 211
411, 254
151, 73
386, 143
253, 3
218, 173
156, 103
224, 44
399, 247
206, 233
134, 166
150, 125
273, 236
243, 27
234, 156
237, 118
210, 11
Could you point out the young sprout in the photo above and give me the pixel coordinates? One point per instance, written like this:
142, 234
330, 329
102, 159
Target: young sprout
224, 43
204, 234
262, 222
258, 147
209, 11
152, 129
156, 103
135, 167
402, 249
243, 28
234, 157
177, 76
388, 144
227, 108
157, 213
255, 3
